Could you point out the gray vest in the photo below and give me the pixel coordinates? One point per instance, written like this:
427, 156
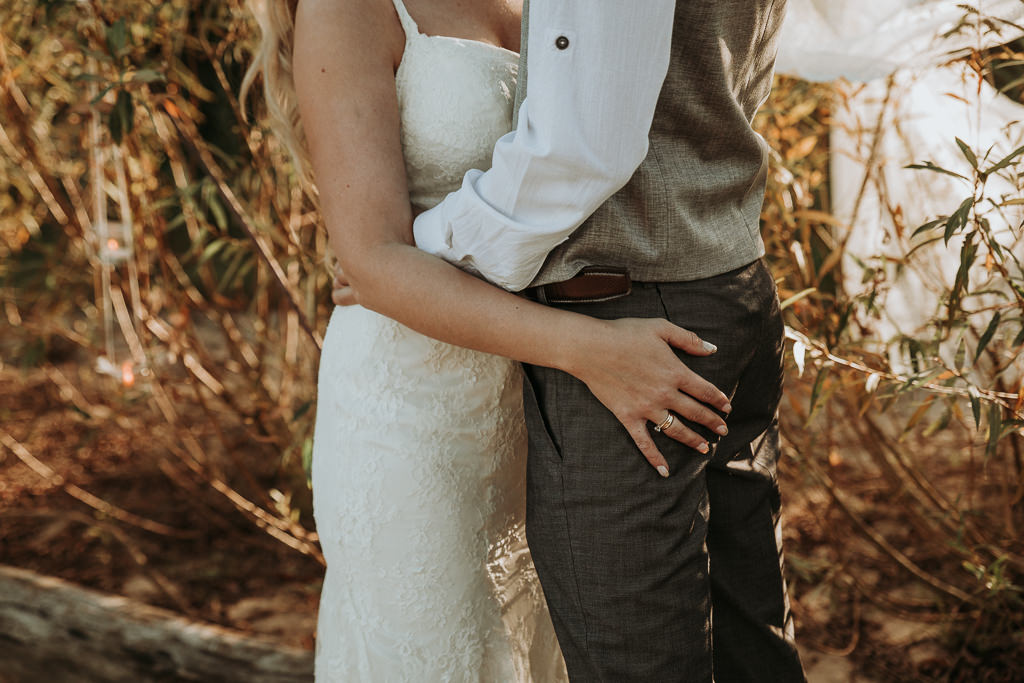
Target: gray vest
692, 208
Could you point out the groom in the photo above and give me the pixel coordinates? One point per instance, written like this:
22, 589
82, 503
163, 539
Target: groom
632, 187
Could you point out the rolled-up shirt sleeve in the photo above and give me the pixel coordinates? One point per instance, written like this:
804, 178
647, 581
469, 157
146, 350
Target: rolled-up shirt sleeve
595, 70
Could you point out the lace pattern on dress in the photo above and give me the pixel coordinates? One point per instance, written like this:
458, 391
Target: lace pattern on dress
419, 449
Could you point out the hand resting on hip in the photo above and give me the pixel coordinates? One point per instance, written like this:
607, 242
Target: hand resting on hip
638, 376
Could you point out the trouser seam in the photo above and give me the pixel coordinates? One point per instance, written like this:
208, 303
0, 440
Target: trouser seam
572, 565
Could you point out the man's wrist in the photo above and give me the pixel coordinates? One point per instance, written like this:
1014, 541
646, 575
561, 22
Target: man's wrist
428, 233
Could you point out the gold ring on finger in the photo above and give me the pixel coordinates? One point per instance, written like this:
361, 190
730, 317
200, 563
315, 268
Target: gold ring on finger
665, 424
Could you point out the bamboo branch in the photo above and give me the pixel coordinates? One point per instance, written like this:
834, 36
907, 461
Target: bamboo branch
95, 502
198, 147
877, 539
819, 350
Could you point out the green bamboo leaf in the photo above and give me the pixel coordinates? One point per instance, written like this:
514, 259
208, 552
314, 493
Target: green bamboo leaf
796, 297
307, 460
247, 267
1016, 287
952, 225
995, 428
220, 217
117, 37
211, 250
931, 225
923, 243
968, 153
963, 274
939, 424
1019, 339
147, 76
122, 118
986, 336
997, 250
844, 320
101, 94
116, 126
1010, 426
919, 413
127, 107
227, 279
819, 384
176, 222
929, 166
961, 353
993, 293
959, 218
1004, 162
301, 410
975, 396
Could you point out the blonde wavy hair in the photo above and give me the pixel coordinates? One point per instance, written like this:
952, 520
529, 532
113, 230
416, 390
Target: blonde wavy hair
273, 61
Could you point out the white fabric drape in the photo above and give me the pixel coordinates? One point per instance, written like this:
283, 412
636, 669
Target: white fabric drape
863, 40
908, 93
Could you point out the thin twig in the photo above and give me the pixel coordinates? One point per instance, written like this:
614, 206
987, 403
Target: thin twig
169, 589
47, 473
819, 350
877, 538
236, 209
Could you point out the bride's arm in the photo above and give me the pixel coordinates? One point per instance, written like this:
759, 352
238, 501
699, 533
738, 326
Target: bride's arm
344, 62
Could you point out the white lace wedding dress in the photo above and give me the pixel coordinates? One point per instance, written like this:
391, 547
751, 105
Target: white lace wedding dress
419, 450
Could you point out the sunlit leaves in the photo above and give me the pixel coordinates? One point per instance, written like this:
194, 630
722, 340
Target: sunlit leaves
975, 398
987, 335
1003, 163
871, 383
146, 76
117, 38
796, 297
799, 356
968, 153
929, 166
958, 220
995, 428
817, 390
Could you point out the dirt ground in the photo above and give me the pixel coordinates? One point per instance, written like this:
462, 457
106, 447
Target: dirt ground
224, 570
221, 569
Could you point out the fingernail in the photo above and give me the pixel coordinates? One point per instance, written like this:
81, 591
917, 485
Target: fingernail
722, 429
662, 470
727, 408
709, 347
703, 448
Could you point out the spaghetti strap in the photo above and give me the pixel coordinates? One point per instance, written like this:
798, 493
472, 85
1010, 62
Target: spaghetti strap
408, 23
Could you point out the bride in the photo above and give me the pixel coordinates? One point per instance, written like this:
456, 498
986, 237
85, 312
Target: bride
419, 445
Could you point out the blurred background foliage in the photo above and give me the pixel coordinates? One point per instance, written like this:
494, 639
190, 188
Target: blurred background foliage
160, 270
157, 260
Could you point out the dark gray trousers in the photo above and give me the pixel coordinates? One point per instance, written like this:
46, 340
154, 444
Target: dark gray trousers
677, 579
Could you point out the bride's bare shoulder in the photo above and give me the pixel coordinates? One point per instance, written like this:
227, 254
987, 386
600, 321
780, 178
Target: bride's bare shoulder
362, 25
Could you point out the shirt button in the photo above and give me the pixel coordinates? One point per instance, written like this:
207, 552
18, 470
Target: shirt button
561, 42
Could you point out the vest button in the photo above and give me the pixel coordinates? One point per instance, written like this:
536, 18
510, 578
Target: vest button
561, 42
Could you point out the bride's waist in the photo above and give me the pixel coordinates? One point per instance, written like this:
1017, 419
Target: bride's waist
358, 335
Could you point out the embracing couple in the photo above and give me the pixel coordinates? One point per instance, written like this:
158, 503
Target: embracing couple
589, 208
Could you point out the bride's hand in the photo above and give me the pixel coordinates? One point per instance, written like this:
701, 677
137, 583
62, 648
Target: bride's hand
630, 366
342, 293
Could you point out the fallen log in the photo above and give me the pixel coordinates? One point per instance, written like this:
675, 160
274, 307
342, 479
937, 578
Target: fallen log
54, 631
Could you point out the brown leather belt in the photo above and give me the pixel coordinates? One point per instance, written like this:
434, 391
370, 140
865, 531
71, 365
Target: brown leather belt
590, 285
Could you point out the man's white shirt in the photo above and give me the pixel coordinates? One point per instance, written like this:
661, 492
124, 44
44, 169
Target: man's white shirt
595, 70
